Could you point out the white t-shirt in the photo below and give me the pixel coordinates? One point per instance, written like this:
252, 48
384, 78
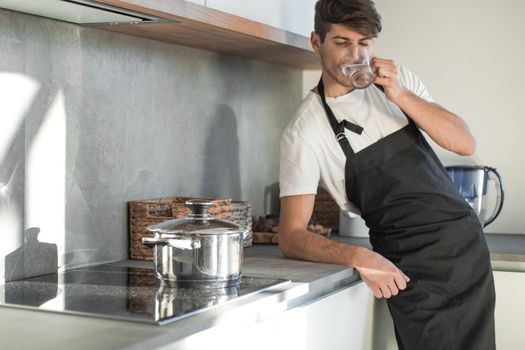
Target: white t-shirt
310, 154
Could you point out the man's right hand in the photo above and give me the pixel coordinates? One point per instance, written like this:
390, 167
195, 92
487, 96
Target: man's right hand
380, 274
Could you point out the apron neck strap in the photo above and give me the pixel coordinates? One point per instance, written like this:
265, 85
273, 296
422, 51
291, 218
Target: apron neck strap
338, 127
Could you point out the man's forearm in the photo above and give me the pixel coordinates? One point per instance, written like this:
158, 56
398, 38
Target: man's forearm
446, 129
305, 245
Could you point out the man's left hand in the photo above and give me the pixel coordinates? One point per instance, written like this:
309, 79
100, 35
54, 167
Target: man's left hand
387, 75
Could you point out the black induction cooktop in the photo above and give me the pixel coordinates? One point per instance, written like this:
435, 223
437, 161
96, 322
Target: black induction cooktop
125, 293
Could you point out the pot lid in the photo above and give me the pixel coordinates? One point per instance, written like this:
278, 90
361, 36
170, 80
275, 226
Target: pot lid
198, 221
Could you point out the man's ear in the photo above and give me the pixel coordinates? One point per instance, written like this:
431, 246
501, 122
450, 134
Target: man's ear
315, 41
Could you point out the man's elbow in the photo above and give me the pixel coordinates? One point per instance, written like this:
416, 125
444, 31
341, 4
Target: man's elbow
468, 148
285, 244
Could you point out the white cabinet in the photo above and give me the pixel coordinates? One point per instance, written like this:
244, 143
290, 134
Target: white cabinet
340, 321
295, 16
352, 319
343, 320
510, 310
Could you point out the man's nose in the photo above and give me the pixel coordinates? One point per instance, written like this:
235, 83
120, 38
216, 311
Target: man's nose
353, 53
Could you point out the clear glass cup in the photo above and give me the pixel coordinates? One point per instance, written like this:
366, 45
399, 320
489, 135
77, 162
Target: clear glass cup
359, 73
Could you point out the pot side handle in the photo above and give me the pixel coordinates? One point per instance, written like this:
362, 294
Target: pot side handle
183, 244
245, 232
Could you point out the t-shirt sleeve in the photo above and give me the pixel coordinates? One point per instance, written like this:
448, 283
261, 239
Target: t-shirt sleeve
412, 82
298, 166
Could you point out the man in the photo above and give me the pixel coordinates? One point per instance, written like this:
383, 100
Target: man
429, 258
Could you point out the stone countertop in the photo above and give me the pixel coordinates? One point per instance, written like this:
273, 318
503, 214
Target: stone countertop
506, 247
309, 281
507, 251
45, 330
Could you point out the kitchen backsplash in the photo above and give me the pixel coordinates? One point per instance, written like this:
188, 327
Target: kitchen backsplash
93, 119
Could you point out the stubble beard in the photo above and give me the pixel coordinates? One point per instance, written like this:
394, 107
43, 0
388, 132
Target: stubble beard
333, 71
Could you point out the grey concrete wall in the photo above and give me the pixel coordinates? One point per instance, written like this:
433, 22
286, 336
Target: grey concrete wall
104, 118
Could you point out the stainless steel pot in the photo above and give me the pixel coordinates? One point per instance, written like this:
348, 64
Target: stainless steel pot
197, 250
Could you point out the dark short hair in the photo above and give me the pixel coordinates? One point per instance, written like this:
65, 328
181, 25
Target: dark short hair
360, 15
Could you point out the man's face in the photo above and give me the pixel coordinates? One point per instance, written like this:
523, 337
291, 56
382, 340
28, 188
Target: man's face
340, 48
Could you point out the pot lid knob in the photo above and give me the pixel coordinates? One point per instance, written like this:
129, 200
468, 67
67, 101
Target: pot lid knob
199, 207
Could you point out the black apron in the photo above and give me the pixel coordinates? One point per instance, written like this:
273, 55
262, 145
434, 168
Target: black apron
420, 222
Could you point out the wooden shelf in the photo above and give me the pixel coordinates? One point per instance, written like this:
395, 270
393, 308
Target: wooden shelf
189, 24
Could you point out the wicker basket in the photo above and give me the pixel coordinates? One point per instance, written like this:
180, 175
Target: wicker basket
154, 211
326, 210
242, 215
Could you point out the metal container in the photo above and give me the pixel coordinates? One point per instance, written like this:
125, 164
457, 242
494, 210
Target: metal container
197, 250
352, 225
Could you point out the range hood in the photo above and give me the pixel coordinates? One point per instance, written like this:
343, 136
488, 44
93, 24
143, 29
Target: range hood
83, 12
180, 22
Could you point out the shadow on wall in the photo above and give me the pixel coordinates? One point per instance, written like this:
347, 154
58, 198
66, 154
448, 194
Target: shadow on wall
13, 167
32, 259
31, 204
222, 166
